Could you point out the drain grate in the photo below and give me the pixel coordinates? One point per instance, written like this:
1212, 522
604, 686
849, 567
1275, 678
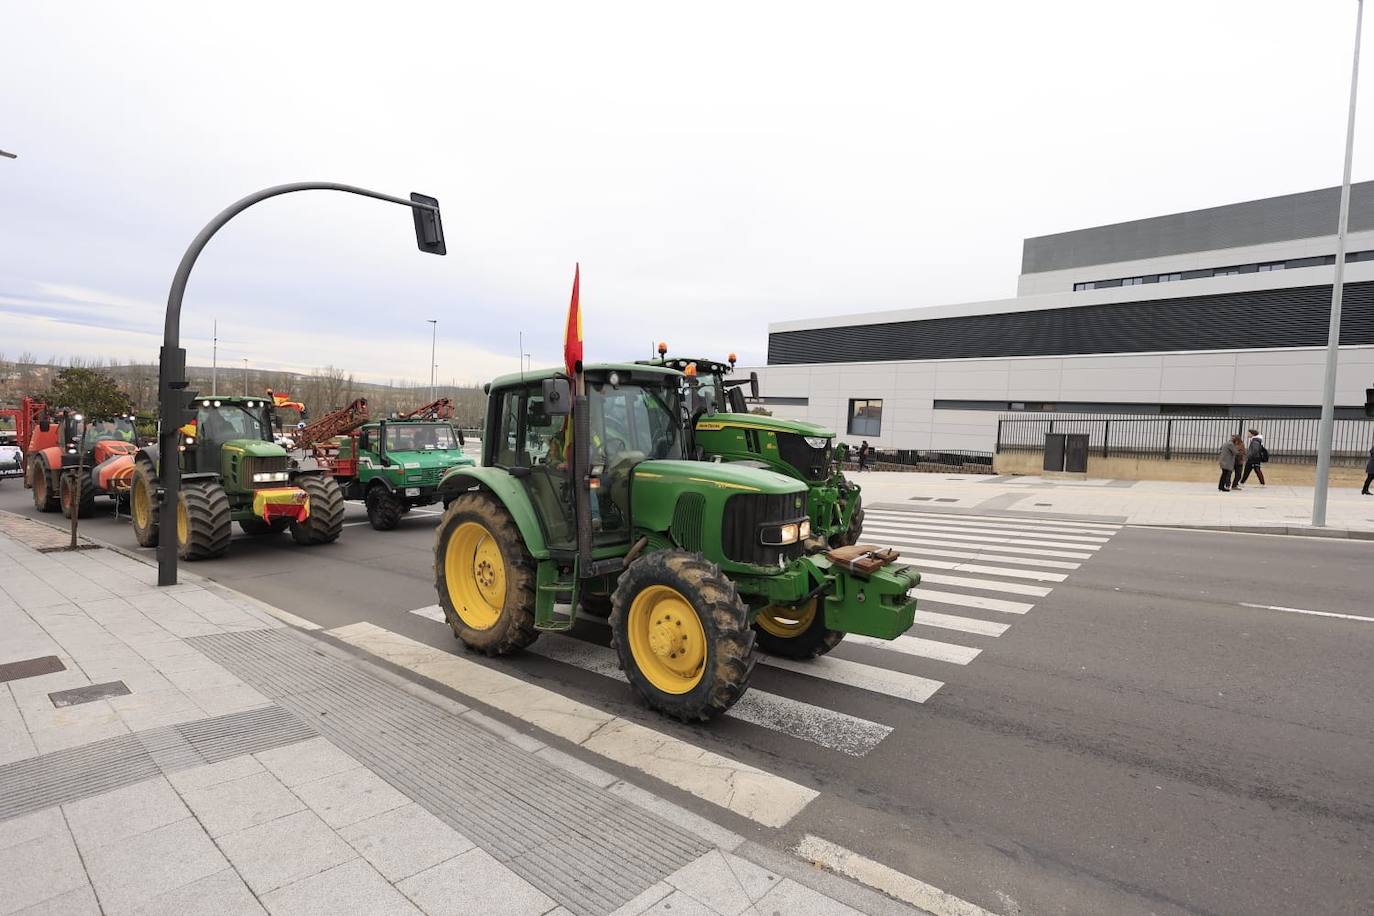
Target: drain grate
88, 694
31, 667
63, 776
590, 850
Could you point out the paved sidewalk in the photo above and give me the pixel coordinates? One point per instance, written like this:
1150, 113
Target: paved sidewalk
181, 750
1273, 509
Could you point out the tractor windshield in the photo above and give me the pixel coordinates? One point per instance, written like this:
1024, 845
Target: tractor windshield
232, 421
711, 392
634, 418
419, 437
120, 429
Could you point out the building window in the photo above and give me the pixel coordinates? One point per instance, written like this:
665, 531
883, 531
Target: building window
1133, 281
1225, 271
1169, 278
865, 418
1082, 286
1276, 265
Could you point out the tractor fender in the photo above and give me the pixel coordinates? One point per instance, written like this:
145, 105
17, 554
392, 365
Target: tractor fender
50, 459
151, 454
512, 494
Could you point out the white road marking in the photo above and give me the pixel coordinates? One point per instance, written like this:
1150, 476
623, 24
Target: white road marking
986, 604
921, 648
432, 612
982, 521
975, 528
1020, 520
830, 729
748, 791
888, 880
1298, 610
963, 624
896, 684
989, 585
1005, 551
954, 534
925, 563
913, 550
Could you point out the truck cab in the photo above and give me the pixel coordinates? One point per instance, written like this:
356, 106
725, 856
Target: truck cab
396, 465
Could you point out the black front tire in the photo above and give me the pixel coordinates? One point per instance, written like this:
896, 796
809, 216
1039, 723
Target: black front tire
512, 628
143, 504
806, 639
325, 522
729, 642
203, 532
45, 495
384, 509
84, 494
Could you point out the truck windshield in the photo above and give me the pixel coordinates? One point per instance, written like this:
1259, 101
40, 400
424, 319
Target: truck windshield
419, 437
634, 418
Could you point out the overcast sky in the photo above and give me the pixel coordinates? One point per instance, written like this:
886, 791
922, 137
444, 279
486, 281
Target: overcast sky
714, 167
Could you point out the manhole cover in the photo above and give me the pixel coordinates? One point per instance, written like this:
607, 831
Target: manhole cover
88, 694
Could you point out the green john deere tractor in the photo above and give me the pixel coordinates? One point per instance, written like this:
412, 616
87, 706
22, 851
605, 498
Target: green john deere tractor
727, 431
588, 498
232, 471
395, 465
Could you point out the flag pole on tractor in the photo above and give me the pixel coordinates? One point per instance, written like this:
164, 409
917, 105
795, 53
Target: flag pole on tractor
572, 334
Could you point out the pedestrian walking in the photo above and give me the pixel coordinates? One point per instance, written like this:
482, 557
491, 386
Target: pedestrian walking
1226, 457
1255, 456
1368, 474
863, 455
1239, 465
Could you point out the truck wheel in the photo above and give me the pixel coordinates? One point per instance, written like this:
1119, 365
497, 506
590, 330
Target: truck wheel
485, 576
682, 634
45, 497
795, 632
204, 520
258, 528
143, 504
384, 509
856, 525
325, 521
79, 486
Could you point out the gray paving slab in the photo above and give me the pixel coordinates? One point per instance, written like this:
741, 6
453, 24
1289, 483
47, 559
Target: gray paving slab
77, 902
351, 889
474, 882
39, 869
679, 904
279, 852
647, 898
351, 796
792, 899
131, 873
227, 807
19, 830
405, 841
756, 881
306, 761
220, 894
710, 881
125, 812
214, 773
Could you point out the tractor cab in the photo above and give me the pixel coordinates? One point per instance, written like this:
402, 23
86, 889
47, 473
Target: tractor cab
243, 424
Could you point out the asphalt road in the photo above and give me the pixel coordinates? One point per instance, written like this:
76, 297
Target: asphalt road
1140, 742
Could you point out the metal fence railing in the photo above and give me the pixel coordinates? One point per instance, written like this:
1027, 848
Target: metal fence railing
927, 459
1290, 440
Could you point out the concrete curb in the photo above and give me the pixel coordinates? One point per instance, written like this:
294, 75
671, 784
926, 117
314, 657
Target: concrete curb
1286, 530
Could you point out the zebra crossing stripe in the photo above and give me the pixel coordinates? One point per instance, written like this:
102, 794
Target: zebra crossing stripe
975, 601
1027, 520
915, 645
1006, 551
925, 562
896, 684
830, 729
991, 585
963, 624
954, 534
967, 554
979, 521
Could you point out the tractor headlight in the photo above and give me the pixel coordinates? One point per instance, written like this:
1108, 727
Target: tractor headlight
271, 477
190, 440
816, 441
781, 535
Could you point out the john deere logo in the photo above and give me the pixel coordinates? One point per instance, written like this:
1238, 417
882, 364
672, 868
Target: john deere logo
797, 502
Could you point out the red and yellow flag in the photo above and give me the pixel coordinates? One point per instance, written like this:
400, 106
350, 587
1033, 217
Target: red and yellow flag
283, 401
572, 336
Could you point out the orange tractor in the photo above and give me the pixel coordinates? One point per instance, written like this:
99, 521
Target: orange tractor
71, 459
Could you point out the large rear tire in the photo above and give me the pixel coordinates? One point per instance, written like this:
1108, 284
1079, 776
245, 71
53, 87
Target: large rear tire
45, 496
143, 505
384, 509
682, 634
205, 521
795, 632
75, 489
325, 521
485, 576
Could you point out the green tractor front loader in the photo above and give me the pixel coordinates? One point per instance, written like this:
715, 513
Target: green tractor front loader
587, 500
232, 471
725, 430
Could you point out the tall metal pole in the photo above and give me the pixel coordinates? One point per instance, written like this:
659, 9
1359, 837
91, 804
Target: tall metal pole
433, 337
245, 376
214, 362
172, 358
1327, 431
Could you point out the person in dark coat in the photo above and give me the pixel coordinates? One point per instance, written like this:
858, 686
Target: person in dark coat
1226, 457
1254, 457
863, 455
1368, 474
1239, 443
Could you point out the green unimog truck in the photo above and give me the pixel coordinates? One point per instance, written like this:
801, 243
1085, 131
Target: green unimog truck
600, 499
396, 465
232, 471
725, 429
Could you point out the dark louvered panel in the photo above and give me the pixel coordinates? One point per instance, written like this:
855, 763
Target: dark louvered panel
686, 526
746, 514
812, 463
1295, 317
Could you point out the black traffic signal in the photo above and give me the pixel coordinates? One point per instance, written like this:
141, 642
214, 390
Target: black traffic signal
429, 228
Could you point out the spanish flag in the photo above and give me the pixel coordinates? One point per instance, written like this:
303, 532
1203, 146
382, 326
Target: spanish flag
284, 402
572, 336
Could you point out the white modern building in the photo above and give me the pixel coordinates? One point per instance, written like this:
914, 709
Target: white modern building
1216, 312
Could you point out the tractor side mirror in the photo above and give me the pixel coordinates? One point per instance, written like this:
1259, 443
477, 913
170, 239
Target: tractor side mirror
754, 385
736, 398
44, 425
557, 397
364, 442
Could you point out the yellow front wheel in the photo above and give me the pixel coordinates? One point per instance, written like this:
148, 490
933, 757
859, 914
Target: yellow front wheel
795, 632
484, 576
682, 635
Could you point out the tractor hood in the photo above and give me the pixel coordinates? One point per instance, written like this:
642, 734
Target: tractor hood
758, 421
710, 475
254, 448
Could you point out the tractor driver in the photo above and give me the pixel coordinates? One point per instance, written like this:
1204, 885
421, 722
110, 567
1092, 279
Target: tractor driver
560, 444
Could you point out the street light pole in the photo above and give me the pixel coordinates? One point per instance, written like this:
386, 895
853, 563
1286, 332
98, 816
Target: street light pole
245, 376
214, 361
172, 395
433, 338
1326, 432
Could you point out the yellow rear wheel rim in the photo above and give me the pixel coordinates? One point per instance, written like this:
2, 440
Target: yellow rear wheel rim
476, 575
183, 523
667, 639
787, 622
142, 509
